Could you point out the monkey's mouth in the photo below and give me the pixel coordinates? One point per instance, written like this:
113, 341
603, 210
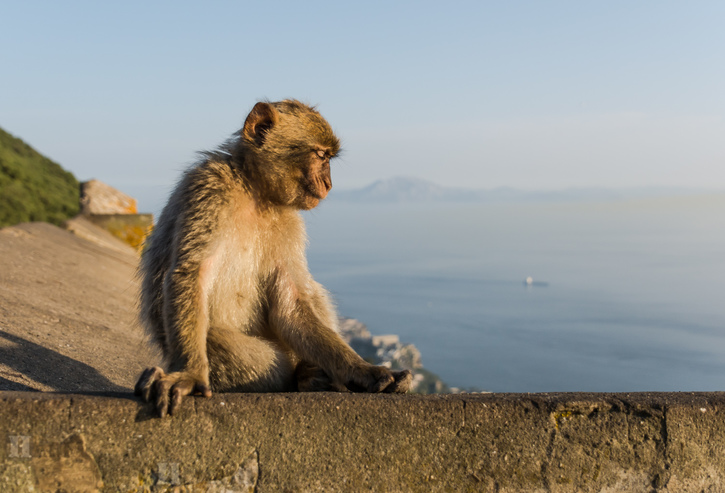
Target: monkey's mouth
319, 187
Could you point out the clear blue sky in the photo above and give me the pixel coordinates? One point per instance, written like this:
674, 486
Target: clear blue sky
534, 95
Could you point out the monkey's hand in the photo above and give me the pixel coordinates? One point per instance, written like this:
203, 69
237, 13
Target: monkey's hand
370, 378
166, 390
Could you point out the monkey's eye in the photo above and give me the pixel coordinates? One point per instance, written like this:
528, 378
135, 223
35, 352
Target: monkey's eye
321, 153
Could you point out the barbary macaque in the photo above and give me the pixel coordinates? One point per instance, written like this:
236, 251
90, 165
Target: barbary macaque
226, 293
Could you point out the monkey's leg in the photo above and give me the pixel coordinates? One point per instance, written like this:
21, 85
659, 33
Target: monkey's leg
145, 382
245, 363
304, 321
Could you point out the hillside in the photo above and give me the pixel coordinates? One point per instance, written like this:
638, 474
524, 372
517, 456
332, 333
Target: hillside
32, 187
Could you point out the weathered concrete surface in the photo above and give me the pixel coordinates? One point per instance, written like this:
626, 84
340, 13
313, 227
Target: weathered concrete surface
67, 310
335, 442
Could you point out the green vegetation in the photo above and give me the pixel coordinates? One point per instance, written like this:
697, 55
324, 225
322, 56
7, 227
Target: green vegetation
32, 187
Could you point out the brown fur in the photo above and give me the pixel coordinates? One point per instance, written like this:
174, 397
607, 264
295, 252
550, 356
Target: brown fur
226, 293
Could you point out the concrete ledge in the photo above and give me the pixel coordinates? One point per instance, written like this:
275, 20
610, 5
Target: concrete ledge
334, 442
130, 228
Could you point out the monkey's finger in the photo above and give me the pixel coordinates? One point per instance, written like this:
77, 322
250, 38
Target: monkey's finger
162, 388
178, 391
402, 382
382, 383
142, 382
145, 382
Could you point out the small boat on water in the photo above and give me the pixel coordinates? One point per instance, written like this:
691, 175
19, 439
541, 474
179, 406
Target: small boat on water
529, 282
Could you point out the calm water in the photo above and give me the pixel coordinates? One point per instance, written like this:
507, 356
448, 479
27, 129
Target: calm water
634, 296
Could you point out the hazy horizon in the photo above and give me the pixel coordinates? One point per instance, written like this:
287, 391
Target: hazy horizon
150, 202
712, 188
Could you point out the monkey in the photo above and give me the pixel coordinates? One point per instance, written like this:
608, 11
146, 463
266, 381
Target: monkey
226, 293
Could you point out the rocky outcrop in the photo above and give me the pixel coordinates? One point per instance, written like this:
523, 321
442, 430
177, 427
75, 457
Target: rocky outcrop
99, 198
387, 350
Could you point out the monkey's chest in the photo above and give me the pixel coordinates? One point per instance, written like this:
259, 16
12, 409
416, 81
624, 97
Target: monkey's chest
242, 263
235, 297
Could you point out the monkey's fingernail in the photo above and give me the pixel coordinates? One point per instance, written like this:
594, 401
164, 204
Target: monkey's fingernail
203, 390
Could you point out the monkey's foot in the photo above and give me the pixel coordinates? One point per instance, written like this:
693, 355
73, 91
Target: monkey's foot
311, 378
402, 382
167, 390
380, 379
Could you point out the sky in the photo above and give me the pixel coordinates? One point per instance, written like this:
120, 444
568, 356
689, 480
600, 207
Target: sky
531, 95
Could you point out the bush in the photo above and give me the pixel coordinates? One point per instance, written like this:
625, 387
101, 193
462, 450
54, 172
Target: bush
32, 187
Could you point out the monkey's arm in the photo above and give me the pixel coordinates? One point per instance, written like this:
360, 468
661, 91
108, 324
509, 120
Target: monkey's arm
185, 310
303, 317
186, 325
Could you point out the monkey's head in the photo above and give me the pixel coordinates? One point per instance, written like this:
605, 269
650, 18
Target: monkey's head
287, 147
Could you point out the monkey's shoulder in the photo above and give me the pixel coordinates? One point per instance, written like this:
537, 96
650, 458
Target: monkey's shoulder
206, 191
210, 178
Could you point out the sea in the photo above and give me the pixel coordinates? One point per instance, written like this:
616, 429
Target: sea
611, 296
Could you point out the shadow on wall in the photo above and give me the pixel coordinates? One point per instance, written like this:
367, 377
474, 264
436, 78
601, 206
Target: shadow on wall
49, 368
6, 384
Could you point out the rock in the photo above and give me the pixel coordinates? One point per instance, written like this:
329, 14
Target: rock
99, 198
388, 351
349, 328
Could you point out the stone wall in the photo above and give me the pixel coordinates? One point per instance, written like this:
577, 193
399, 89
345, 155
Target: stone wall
665, 442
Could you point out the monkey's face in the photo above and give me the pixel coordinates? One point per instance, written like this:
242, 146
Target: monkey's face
316, 180
291, 145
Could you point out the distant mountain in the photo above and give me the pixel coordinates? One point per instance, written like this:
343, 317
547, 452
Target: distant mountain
32, 187
403, 189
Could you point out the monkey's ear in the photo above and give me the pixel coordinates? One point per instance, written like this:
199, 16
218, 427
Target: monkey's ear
259, 121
